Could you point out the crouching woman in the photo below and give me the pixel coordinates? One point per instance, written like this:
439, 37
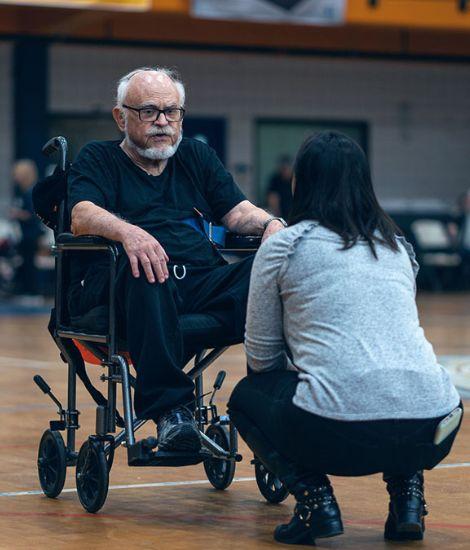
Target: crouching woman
344, 381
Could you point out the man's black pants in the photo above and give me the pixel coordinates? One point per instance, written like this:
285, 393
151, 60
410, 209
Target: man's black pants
296, 444
148, 318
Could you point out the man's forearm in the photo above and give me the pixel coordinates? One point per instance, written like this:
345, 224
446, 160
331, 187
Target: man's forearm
142, 249
252, 223
89, 219
246, 219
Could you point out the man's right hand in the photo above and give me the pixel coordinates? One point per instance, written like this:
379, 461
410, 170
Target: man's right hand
140, 246
143, 249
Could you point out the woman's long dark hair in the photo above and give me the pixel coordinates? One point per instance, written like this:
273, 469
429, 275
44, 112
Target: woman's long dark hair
333, 186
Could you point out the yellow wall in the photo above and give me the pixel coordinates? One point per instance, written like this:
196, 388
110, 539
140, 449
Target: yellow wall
138, 5
414, 34
437, 14
175, 6
410, 14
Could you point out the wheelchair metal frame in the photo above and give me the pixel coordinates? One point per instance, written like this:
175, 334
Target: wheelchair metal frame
52, 449
118, 367
219, 447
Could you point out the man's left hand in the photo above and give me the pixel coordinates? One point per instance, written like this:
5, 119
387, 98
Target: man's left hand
273, 227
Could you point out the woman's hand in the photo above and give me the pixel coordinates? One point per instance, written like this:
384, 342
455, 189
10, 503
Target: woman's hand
273, 227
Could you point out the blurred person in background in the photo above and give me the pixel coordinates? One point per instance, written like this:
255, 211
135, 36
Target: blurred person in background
9, 237
279, 194
459, 231
463, 235
463, 219
24, 176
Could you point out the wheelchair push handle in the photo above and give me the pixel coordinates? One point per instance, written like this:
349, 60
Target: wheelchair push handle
57, 145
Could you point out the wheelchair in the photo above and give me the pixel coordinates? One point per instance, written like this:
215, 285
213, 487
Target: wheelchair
94, 339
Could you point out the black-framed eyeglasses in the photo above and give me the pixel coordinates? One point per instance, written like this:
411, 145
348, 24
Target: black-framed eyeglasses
151, 114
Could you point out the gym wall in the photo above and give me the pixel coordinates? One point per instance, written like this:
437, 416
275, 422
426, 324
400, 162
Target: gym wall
6, 124
418, 114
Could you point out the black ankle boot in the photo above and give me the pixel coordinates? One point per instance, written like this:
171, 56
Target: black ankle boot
407, 507
316, 515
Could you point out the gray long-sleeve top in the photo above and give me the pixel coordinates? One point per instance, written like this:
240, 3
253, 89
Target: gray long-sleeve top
348, 323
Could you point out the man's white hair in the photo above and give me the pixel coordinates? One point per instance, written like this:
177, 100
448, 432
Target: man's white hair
123, 83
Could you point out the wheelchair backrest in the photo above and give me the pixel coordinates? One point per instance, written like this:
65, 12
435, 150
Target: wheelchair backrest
50, 205
50, 193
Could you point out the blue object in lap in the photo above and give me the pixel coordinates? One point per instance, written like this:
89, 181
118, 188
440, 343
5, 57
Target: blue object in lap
215, 233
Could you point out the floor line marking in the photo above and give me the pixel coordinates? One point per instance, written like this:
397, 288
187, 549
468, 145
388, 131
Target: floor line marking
132, 486
456, 465
184, 483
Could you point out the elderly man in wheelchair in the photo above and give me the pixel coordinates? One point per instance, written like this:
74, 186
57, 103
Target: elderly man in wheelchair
149, 201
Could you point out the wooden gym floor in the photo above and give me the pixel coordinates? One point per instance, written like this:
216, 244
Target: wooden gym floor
163, 508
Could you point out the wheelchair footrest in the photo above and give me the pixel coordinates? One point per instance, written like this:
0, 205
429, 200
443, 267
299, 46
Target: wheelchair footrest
140, 455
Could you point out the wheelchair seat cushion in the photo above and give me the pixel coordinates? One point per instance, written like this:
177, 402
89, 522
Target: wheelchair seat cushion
95, 321
199, 330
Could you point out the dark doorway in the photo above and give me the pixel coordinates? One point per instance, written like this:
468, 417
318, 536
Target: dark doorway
211, 130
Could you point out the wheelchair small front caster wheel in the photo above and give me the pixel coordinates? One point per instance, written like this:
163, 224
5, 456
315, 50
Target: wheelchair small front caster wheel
52, 463
219, 471
271, 487
92, 475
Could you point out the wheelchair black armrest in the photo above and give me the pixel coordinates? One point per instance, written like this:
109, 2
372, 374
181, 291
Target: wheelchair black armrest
241, 243
233, 243
67, 241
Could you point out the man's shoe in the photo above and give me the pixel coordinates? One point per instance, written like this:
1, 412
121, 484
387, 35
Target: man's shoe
316, 515
177, 431
407, 507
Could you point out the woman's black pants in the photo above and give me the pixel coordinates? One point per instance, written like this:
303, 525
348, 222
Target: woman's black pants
295, 444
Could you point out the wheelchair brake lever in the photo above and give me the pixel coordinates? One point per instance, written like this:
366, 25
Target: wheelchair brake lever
217, 384
45, 388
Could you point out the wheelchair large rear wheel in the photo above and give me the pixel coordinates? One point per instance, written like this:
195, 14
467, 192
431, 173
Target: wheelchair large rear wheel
219, 471
92, 475
52, 463
270, 486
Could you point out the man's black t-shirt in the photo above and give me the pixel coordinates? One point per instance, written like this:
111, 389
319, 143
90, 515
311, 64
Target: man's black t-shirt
193, 178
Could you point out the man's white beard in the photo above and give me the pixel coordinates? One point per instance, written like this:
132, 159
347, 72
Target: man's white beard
156, 153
